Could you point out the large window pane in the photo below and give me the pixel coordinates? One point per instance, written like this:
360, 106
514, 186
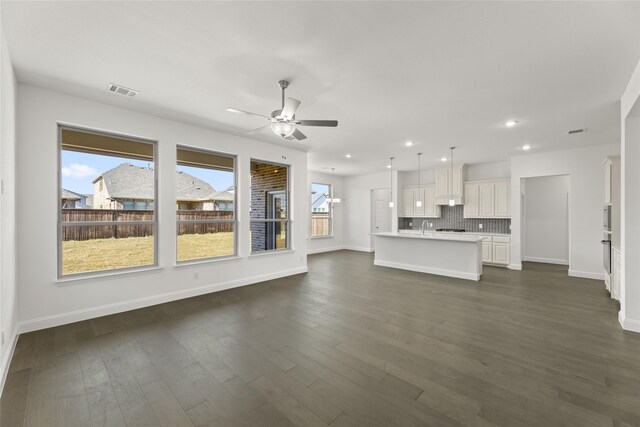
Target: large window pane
205, 204
107, 195
321, 210
106, 247
269, 206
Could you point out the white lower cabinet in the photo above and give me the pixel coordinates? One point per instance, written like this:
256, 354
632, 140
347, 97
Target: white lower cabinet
487, 251
496, 249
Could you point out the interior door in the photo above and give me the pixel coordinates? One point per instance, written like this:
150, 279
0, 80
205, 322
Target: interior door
381, 213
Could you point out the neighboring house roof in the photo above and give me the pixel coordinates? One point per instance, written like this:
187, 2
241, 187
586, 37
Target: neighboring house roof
134, 182
318, 200
70, 195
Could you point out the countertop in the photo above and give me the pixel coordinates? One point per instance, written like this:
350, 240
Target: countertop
457, 233
458, 237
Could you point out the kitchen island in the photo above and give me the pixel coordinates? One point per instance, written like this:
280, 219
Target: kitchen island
435, 253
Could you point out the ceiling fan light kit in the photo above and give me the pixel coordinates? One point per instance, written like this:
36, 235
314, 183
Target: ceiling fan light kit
283, 122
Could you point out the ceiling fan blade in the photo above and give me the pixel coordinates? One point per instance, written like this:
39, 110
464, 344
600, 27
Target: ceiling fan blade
298, 135
235, 110
258, 129
290, 107
328, 123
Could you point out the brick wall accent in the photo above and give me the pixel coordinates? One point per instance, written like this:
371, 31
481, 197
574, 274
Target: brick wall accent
265, 178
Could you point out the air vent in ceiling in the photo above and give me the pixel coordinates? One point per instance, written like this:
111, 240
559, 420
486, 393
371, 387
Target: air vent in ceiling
122, 90
571, 132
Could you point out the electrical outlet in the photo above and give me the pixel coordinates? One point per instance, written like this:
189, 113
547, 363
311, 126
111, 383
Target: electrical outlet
410, 224
196, 275
480, 226
430, 225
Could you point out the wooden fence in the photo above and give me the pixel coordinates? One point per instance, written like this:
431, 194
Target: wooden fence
120, 230
320, 224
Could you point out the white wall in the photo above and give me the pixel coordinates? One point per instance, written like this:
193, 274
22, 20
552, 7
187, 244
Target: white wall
546, 219
487, 171
357, 214
585, 168
629, 315
43, 302
335, 242
8, 285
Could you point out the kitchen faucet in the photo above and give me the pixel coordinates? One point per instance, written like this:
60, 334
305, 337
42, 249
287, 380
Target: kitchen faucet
422, 226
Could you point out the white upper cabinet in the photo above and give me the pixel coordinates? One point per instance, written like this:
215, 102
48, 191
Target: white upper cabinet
426, 194
431, 209
607, 181
418, 195
407, 202
487, 199
449, 183
503, 199
471, 199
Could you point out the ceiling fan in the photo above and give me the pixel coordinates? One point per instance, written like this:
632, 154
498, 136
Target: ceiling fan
283, 122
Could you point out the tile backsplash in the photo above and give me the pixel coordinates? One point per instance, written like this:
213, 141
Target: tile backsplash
452, 217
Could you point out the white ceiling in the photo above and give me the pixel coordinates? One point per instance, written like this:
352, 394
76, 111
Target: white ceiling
437, 73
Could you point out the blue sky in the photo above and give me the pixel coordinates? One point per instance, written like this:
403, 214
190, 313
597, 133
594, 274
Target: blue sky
80, 169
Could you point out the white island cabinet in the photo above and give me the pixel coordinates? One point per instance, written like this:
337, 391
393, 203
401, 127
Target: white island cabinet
445, 255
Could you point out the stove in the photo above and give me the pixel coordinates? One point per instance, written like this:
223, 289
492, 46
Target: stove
451, 230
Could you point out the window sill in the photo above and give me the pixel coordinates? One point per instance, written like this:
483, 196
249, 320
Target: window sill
204, 261
273, 252
321, 237
90, 277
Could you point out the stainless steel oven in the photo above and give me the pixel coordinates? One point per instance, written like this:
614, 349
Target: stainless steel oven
607, 218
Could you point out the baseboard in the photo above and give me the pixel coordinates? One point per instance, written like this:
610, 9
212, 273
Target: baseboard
321, 250
105, 310
586, 274
6, 360
429, 270
515, 267
627, 324
546, 260
358, 248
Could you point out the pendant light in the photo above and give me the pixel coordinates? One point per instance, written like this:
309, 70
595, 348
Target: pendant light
331, 199
419, 201
452, 201
391, 176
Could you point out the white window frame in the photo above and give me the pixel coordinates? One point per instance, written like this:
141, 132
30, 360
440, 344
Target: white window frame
153, 223
323, 236
234, 221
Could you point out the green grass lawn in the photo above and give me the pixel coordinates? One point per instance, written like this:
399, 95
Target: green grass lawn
107, 254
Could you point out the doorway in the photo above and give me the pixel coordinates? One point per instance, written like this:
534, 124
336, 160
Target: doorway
277, 210
545, 212
380, 213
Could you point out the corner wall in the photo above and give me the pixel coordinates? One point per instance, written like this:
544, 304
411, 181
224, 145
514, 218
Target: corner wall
45, 302
585, 167
629, 316
8, 285
336, 242
357, 213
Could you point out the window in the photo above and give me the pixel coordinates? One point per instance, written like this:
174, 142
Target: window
269, 206
115, 228
321, 210
205, 205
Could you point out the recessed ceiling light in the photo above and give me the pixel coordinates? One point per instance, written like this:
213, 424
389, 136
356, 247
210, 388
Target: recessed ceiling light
348, 156
444, 159
408, 143
526, 147
511, 123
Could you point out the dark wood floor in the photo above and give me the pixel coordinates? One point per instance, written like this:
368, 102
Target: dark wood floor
347, 344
